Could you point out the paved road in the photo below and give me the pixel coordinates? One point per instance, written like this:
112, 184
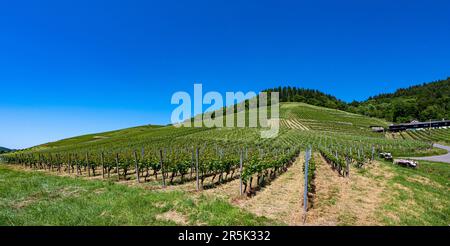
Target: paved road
438, 158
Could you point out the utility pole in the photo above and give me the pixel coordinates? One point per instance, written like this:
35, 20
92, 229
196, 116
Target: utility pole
430, 128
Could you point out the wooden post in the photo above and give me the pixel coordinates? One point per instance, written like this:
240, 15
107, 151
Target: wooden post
192, 162
429, 131
196, 169
59, 163
305, 188
240, 173
136, 167
143, 161
162, 168
103, 164
348, 166
117, 166
78, 166
88, 165
68, 164
373, 152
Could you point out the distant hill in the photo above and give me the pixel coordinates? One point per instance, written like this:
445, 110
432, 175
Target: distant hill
298, 120
420, 102
309, 96
311, 111
101, 137
4, 150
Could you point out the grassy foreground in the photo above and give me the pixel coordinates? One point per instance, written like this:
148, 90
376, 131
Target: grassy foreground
420, 153
406, 197
33, 198
418, 196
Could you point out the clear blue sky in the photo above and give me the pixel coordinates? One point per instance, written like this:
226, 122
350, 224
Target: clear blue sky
75, 67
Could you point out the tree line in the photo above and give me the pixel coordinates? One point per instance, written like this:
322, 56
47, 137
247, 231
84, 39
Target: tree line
428, 101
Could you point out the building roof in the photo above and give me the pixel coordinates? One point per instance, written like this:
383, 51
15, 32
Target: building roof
425, 122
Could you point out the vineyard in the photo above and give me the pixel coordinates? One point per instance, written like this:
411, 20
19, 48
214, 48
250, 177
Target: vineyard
171, 155
429, 135
304, 116
163, 156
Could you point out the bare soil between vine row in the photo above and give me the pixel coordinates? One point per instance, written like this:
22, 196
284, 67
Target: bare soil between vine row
338, 201
352, 200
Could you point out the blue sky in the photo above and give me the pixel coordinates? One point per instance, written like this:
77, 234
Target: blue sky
74, 67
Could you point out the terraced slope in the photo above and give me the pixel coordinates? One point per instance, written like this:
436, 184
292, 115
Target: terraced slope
294, 116
434, 135
98, 137
308, 117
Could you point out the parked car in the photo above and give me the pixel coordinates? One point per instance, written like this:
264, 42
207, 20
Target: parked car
386, 156
406, 163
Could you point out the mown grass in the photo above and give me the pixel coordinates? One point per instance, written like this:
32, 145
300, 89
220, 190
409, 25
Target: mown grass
418, 196
420, 153
32, 198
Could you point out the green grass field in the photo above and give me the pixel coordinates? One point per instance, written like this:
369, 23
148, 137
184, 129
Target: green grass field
418, 196
34, 198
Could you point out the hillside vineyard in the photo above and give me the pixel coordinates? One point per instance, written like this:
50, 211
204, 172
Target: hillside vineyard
211, 156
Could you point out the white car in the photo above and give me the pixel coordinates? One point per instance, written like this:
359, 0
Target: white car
406, 163
386, 156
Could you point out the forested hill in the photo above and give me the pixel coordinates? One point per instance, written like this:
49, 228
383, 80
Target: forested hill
4, 150
313, 97
420, 102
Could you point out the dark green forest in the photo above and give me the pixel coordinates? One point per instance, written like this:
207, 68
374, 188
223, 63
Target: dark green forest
421, 102
429, 101
4, 150
313, 97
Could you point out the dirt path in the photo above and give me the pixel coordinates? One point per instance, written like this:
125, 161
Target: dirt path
347, 201
280, 200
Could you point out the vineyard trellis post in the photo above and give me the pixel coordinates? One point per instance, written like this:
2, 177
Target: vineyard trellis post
88, 165
347, 160
240, 172
192, 162
162, 168
196, 169
68, 164
136, 167
143, 162
117, 166
373, 152
305, 190
103, 164
59, 163
78, 165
